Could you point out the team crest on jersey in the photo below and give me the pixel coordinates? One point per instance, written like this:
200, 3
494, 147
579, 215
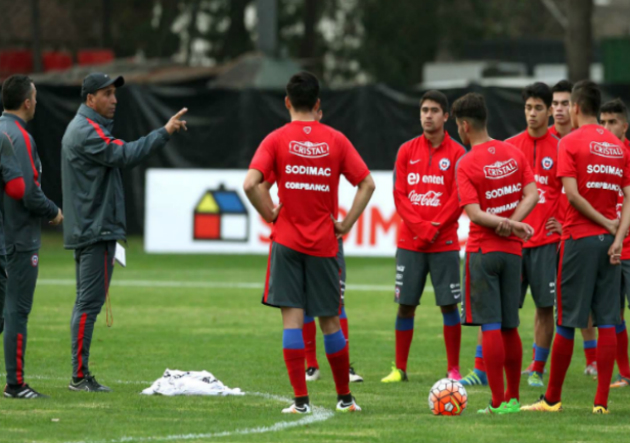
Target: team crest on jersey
309, 149
445, 163
547, 163
600, 130
307, 129
34, 260
491, 150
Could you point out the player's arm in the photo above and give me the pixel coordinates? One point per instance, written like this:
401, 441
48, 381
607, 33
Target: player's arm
615, 249
422, 229
365, 190
527, 203
585, 208
451, 211
254, 189
11, 172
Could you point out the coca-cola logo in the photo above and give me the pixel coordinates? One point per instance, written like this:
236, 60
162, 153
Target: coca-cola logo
309, 149
541, 197
500, 170
607, 150
431, 198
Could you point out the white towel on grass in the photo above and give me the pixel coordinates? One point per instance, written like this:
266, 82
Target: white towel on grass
175, 382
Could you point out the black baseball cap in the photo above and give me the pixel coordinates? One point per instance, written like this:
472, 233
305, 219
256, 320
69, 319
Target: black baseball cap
98, 80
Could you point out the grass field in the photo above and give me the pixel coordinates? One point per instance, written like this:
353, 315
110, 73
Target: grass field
179, 312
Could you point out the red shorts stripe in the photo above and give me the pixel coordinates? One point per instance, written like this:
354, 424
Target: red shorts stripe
80, 337
559, 284
340, 299
266, 294
19, 373
467, 283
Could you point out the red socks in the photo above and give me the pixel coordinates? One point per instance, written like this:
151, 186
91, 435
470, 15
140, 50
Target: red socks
561, 354
494, 358
340, 365
344, 328
308, 333
404, 336
294, 359
622, 351
452, 331
591, 355
606, 350
513, 361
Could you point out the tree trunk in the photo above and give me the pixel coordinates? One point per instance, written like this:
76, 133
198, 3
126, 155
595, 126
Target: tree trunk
237, 40
37, 44
579, 39
311, 15
106, 31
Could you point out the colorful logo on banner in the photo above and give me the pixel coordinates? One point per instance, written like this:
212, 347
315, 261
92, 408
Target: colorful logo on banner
221, 215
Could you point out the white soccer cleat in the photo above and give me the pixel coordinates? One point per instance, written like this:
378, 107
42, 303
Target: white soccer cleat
312, 374
354, 377
591, 370
293, 409
348, 407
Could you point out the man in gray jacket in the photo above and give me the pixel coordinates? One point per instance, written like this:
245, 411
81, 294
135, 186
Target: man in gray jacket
94, 207
23, 222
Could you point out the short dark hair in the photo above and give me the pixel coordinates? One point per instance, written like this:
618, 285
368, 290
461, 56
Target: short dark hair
538, 90
587, 95
15, 90
615, 106
562, 86
303, 91
471, 107
437, 97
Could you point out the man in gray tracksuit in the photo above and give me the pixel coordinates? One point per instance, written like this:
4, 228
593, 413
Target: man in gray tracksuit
23, 220
94, 207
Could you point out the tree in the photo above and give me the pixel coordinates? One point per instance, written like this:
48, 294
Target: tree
579, 39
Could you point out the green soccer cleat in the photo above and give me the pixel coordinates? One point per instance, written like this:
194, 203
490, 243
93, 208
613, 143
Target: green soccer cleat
503, 408
513, 406
535, 380
475, 378
396, 376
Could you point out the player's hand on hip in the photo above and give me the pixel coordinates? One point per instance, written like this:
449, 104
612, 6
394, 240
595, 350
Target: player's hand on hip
274, 213
175, 124
340, 228
614, 252
553, 226
504, 229
58, 218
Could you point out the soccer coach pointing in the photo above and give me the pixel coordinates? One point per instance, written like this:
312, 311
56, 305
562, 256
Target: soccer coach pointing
94, 207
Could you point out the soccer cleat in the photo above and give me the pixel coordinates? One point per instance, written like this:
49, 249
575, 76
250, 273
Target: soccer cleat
24, 392
529, 369
294, 409
600, 410
454, 374
397, 375
354, 377
475, 378
503, 408
591, 370
513, 406
620, 382
88, 384
348, 407
542, 406
535, 380
312, 374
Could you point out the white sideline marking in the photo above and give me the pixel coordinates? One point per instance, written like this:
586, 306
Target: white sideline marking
204, 284
319, 415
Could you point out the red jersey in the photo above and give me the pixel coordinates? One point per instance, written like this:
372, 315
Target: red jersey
601, 167
493, 175
307, 159
625, 252
542, 155
563, 203
425, 191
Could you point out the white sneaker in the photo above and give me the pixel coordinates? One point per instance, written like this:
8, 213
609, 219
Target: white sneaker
354, 377
348, 407
312, 374
293, 409
591, 370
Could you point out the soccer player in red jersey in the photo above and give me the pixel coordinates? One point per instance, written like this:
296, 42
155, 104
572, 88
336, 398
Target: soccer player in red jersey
540, 147
497, 190
307, 159
594, 168
561, 127
614, 117
425, 195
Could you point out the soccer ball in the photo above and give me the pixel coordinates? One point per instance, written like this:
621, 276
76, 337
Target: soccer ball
447, 397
